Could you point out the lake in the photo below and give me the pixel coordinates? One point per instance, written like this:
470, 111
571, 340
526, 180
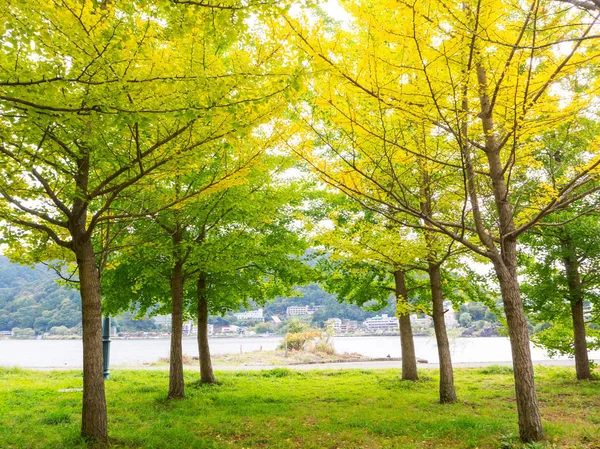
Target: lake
68, 353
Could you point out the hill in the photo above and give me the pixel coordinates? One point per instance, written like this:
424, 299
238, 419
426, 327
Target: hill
31, 298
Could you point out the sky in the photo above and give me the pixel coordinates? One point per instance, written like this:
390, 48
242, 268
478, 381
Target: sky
333, 8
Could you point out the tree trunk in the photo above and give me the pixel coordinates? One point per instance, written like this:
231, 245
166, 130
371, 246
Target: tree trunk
447, 391
582, 363
505, 265
409, 360
176, 382
530, 422
207, 375
505, 261
94, 417
94, 423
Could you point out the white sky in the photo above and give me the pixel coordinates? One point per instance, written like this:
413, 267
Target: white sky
333, 8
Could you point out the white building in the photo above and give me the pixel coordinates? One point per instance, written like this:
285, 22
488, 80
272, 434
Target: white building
189, 328
302, 310
251, 315
162, 320
232, 329
382, 323
450, 316
423, 320
334, 323
298, 311
349, 325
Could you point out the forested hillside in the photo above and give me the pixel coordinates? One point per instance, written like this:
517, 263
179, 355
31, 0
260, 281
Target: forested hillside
313, 295
30, 298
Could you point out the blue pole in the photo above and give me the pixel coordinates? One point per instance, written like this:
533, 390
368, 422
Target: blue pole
106, 346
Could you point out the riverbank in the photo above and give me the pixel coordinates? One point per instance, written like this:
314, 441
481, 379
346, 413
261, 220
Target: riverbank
157, 336
452, 333
282, 359
271, 358
284, 409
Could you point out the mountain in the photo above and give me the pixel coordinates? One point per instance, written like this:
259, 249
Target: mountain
31, 298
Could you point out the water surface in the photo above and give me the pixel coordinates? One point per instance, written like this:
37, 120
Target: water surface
68, 353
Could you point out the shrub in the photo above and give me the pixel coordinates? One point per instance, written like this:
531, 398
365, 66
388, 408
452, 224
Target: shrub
60, 330
23, 333
496, 369
324, 343
299, 341
311, 339
276, 372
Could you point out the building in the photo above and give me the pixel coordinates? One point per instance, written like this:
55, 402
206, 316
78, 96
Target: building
333, 323
298, 311
301, 310
420, 319
341, 326
189, 328
382, 323
348, 326
233, 329
450, 316
162, 320
251, 315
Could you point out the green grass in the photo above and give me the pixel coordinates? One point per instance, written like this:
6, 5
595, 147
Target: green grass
280, 408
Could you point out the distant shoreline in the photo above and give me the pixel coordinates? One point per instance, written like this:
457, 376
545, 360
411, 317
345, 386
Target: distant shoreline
194, 336
168, 336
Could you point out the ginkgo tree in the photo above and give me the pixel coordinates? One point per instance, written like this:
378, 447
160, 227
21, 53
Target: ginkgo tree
476, 81
212, 255
158, 247
96, 97
370, 257
561, 277
365, 262
561, 256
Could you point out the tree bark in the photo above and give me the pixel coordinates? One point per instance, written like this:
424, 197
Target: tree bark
176, 382
505, 265
207, 375
409, 360
94, 422
447, 391
582, 363
94, 416
530, 422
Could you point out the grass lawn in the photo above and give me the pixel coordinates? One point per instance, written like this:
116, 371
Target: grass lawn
287, 409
